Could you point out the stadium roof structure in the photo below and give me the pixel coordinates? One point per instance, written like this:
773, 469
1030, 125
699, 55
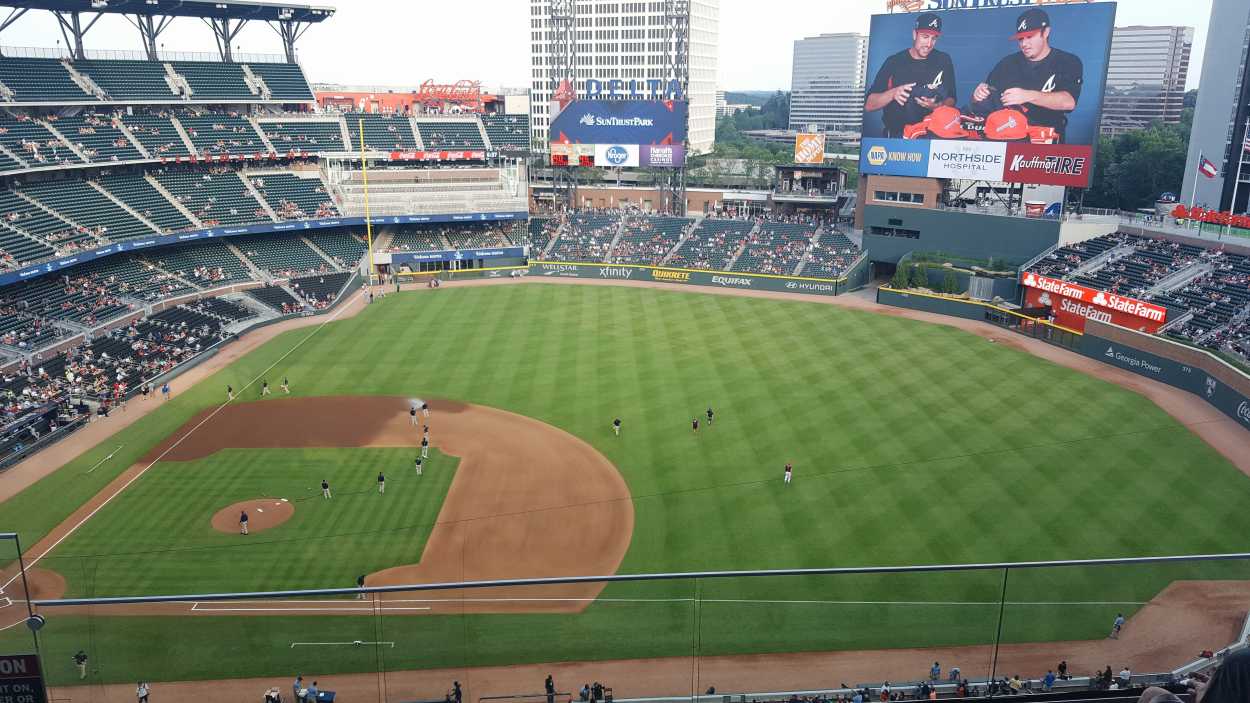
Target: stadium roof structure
151, 17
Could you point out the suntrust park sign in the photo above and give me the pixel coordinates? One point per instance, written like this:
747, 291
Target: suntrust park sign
1110, 301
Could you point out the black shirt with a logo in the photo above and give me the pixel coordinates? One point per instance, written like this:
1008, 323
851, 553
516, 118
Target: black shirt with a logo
934, 78
1058, 72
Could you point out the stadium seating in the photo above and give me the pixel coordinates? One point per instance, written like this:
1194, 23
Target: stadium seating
344, 247
22, 216
382, 132
218, 197
450, 136
648, 239
281, 255
321, 290
418, 239
587, 238
9, 163
293, 197
22, 330
830, 257
81, 203
31, 142
206, 264
507, 130
19, 250
275, 297
1066, 259
712, 244
215, 80
222, 133
77, 297
131, 278
227, 311
541, 231
285, 81
128, 79
40, 80
157, 134
145, 199
776, 249
96, 137
475, 237
304, 135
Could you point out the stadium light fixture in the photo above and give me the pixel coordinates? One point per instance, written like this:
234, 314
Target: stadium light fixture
99, 4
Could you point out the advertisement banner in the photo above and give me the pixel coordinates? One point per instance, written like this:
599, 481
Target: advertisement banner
663, 156
894, 157
21, 680
978, 161
1072, 304
634, 122
716, 279
616, 155
809, 149
1019, 75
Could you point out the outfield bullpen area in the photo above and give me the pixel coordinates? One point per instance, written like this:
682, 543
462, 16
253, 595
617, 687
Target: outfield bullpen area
913, 443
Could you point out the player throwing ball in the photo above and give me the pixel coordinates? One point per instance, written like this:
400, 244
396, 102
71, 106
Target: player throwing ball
1040, 80
912, 83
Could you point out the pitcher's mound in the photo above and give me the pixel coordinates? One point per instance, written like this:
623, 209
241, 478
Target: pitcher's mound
262, 514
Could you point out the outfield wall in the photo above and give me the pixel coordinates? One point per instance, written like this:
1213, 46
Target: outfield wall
1199, 372
715, 279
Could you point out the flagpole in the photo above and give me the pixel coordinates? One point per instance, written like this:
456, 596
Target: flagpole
1241, 162
1193, 193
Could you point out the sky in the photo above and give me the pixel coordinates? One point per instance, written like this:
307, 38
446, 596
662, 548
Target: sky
390, 43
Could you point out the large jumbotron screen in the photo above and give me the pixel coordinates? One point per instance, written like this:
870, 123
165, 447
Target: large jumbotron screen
620, 133
997, 94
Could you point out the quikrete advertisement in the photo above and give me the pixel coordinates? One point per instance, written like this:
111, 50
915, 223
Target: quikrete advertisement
1072, 304
995, 93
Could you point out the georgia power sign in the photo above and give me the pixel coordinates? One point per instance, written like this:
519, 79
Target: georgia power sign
1077, 303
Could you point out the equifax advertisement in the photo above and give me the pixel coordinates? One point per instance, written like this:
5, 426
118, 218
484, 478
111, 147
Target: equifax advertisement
1022, 85
1071, 304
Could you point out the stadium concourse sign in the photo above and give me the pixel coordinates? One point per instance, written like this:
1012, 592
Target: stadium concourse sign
1071, 304
697, 277
983, 90
139, 243
21, 680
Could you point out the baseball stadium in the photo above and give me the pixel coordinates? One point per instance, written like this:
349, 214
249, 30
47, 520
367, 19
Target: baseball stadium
308, 396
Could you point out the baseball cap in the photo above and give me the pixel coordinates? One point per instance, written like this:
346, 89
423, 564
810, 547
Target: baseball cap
1007, 126
1030, 21
929, 22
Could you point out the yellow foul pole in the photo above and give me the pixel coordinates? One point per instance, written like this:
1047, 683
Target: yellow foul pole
364, 167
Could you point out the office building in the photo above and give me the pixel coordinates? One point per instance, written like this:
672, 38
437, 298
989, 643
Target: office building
1220, 115
827, 82
1146, 77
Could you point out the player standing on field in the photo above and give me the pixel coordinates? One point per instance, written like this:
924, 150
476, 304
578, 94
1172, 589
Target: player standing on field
381, 484
425, 408
616, 426
709, 416
425, 447
325, 489
264, 388
912, 83
286, 387
230, 392
694, 425
243, 522
412, 415
1041, 81
789, 473
418, 466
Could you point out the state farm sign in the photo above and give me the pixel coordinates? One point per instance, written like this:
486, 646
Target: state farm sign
1072, 304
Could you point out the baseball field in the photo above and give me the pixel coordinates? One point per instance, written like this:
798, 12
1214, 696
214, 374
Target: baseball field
912, 443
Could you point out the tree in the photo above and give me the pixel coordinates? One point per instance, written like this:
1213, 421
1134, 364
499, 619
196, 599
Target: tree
900, 281
919, 276
950, 283
1134, 168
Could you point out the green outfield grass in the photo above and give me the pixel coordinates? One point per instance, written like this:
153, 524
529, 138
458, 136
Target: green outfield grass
912, 444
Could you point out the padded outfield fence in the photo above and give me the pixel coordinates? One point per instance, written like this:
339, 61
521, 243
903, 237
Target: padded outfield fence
855, 278
667, 636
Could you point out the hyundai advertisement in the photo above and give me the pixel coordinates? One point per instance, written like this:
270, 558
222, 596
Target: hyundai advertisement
621, 133
996, 94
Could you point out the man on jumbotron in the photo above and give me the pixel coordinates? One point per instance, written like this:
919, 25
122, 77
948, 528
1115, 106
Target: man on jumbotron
912, 83
1040, 81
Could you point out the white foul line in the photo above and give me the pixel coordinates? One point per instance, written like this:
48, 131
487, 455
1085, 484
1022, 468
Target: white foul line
110, 456
366, 609
171, 447
315, 644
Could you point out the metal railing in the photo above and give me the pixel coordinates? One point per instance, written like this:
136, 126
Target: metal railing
60, 52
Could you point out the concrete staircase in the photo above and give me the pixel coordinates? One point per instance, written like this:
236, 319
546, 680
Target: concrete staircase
738, 254
121, 127
26, 235
68, 143
264, 138
620, 232
182, 132
173, 200
321, 252
481, 129
347, 133
685, 236
125, 207
84, 82
177, 83
255, 83
247, 182
59, 216
807, 255
416, 133
255, 271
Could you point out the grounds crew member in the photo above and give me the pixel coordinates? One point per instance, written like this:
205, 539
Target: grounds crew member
912, 83
1042, 82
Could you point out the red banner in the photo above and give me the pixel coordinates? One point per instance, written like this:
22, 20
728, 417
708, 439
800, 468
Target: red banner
1213, 217
1051, 164
1071, 304
438, 155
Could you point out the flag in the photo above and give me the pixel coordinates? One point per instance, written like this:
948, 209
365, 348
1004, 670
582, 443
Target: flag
1207, 168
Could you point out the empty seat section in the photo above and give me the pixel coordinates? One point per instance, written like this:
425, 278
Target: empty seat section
418, 239
344, 247
97, 138
450, 135
29, 141
128, 79
283, 254
304, 135
210, 80
285, 80
476, 236
320, 290
507, 130
206, 264
145, 199
293, 197
157, 134
276, 298
214, 198
227, 311
80, 202
382, 132
37, 222
40, 80
222, 133
17, 250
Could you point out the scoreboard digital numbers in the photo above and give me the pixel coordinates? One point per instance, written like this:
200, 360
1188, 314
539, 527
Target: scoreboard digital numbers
21, 680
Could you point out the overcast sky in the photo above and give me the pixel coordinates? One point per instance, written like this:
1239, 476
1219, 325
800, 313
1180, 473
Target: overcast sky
386, 42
